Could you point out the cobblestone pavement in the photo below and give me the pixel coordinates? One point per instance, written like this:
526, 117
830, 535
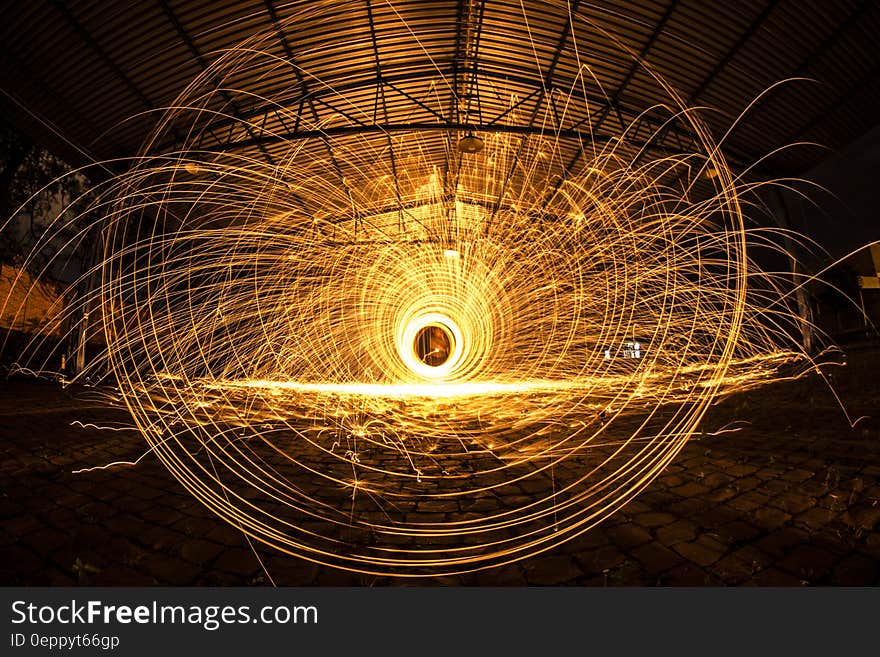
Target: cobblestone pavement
791, 499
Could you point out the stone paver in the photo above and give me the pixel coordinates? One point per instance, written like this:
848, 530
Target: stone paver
791, 499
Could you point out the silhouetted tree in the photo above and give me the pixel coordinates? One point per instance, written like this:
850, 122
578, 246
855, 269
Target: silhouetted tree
35, 186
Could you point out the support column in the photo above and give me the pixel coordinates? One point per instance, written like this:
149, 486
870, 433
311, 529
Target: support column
798, 277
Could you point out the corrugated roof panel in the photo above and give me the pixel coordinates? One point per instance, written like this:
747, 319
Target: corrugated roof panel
125, 57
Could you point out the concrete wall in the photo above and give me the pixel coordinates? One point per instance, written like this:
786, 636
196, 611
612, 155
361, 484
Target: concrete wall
29, 306
844, 218
847, 215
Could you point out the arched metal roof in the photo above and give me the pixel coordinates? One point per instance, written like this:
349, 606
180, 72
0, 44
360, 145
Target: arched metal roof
93, 77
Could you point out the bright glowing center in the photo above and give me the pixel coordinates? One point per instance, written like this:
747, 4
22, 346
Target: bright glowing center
431, 345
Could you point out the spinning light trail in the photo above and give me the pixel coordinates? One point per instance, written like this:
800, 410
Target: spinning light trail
393, 351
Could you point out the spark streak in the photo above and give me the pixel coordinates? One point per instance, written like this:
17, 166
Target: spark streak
375, 352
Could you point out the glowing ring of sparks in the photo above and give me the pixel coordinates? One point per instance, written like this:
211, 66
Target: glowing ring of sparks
261, 321
410, 335
406, 292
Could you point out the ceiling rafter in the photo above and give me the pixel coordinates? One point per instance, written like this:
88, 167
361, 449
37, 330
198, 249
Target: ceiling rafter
108, 61
310, 94
442, 53
872, 76
187, 39
469, 24
380, 91
731, 53
613, 102
734, 50
288, 52
414, 100
349, 130
546, 82
50, 92
298, 133
816, 53
636, 65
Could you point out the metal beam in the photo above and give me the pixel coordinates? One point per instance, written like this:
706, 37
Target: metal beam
185, 37
108, 61
349, 130
842, 100
309, 96
306, 97
415, 101
546, 81
514, 107
381, 91
734, 50
614, 101
744, 38
637, 64
469, 25
428, 74
49, 91
852, 19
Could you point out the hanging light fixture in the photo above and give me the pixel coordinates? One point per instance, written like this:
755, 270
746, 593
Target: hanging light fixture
470, 144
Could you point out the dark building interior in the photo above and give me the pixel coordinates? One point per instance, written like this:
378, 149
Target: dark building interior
343, 114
